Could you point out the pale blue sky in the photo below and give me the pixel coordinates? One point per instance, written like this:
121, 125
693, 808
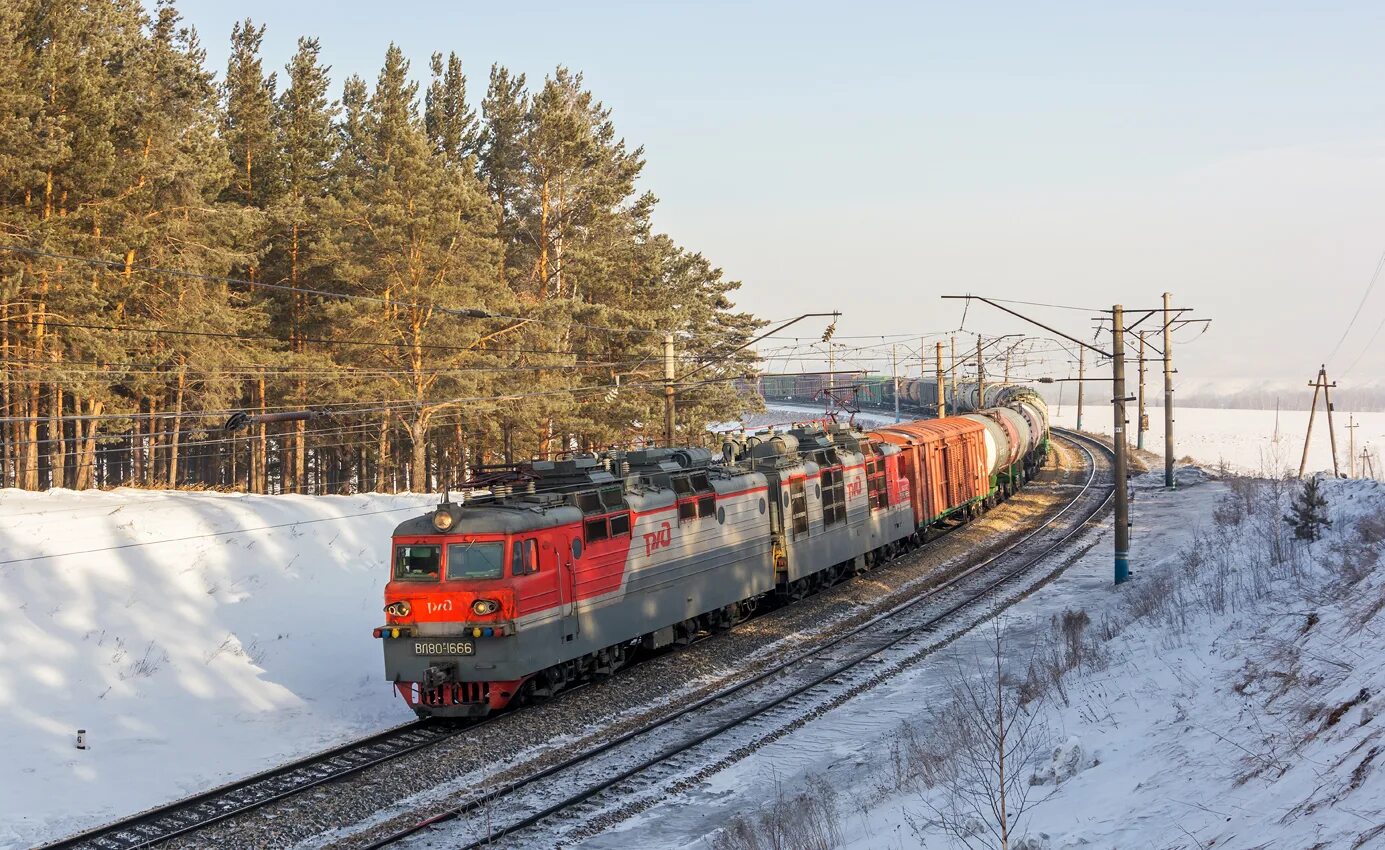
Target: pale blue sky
871, 157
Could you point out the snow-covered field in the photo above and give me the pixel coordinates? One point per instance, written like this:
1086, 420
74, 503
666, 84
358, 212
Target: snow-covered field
196, 637
1236, 707
1244, 439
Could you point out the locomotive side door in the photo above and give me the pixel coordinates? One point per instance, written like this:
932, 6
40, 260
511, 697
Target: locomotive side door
567, 591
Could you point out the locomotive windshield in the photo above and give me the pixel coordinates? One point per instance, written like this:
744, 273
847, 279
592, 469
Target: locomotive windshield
474, 561
417, 563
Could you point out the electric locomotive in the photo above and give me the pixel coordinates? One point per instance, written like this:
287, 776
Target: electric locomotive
562, 572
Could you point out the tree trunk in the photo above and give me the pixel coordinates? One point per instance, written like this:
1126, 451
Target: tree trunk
151, 442
86, 452
8, 467
543, 241
262, 444
177, 429
382, 456
418, 465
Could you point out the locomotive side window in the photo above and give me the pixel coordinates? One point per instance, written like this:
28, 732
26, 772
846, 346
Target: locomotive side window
687, 510
475, 561
833, 496
798, 507
595, 529
524, 557
706, 506
417, 563
620, 525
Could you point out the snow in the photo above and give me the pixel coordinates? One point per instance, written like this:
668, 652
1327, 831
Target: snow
1243, 439
1253, 726
196, 637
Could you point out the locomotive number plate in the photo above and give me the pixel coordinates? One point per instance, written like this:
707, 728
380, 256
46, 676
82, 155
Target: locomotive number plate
444, 647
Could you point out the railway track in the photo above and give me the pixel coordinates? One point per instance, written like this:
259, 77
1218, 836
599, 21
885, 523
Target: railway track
634, 770
187, 816
197, 812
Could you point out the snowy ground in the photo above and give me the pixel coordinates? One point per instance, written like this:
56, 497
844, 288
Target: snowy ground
196, 637
1227, 701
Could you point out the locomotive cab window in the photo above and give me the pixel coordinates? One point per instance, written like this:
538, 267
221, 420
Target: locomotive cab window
475, 561
620, 525
524, 557
417, 563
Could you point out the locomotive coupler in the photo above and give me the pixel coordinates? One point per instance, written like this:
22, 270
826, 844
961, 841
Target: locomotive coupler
439, 674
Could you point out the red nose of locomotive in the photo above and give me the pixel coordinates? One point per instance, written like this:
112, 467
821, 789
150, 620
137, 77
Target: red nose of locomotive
448, 584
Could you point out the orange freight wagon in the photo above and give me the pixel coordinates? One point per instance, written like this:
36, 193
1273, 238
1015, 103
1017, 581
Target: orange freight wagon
945, 461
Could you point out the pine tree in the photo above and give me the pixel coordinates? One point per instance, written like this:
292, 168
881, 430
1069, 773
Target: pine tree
450, 123
306, 145
1308, 512
418, 234
502, 152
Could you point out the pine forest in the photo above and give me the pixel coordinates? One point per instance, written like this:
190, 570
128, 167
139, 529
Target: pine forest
446, 283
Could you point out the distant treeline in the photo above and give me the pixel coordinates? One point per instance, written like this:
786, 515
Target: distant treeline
450, 286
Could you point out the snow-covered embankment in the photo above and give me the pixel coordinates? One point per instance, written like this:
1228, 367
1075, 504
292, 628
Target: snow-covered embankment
196, 637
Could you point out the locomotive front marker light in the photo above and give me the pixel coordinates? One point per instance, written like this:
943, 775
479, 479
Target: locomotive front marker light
485, 606
398, 609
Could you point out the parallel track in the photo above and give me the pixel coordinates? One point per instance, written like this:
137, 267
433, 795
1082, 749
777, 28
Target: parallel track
641, 760
189, 815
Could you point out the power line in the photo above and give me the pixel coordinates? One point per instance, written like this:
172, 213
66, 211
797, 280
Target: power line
463, 312
1379, 265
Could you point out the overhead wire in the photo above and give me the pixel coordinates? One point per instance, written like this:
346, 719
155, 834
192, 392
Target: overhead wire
1379, 265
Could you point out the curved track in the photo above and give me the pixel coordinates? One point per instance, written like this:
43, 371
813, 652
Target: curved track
779, 687
635, 767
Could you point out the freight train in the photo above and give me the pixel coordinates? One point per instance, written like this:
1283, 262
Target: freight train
571, 567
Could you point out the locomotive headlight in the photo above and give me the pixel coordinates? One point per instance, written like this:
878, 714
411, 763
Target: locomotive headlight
398, 609
442, 519
485, 606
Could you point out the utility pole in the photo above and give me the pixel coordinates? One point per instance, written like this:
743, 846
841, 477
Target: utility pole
831, 368
1081, 382
980, 376
1008, 352
1331, 432
1320, 385
1118, 399
668, 389
1168, 395
1118, 409
952, 373
894, 372
1351, 444
942, 402
1143, 422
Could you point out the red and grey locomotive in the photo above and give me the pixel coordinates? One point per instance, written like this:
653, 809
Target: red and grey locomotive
518, 591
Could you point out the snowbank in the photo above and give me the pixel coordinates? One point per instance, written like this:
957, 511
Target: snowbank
196, 637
